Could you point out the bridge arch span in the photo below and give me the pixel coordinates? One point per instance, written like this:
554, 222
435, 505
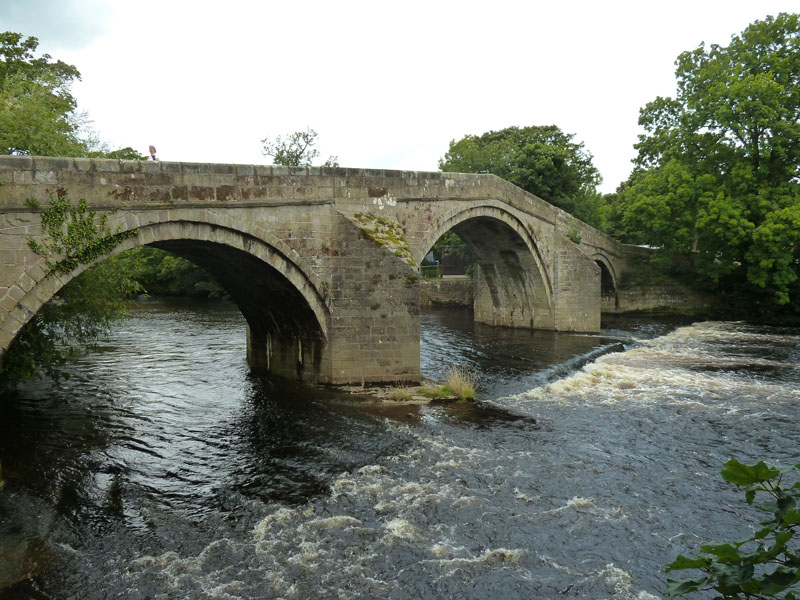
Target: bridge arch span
511, 285
487, 211
287, 318
609, 281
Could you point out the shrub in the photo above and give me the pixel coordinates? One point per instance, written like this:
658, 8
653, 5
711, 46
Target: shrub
461, 381
765, 565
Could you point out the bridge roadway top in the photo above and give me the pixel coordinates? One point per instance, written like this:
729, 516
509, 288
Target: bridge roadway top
161, 184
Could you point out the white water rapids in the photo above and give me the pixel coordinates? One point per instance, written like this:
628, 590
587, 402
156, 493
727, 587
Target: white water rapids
584, 486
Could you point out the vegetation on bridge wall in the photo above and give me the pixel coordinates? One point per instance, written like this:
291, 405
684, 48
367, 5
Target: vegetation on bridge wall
72, 236
388, 233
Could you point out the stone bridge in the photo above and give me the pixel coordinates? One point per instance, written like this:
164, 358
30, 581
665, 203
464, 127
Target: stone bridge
322, 262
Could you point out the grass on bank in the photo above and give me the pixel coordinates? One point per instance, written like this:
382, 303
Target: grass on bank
459, 383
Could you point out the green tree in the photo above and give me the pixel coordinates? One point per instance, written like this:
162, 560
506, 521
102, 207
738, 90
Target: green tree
37, 117
37, 110
295, 150
542, 160
717, 177
164, 274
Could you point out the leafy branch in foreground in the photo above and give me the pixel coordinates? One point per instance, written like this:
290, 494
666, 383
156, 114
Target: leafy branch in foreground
765, 565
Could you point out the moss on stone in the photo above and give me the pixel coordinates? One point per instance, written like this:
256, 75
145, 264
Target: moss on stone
388, 234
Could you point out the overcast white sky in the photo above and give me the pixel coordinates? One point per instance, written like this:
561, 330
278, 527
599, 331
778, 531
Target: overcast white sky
385, 85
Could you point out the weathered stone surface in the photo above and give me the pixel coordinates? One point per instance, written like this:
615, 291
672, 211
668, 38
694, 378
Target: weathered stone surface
323, 262
448, 291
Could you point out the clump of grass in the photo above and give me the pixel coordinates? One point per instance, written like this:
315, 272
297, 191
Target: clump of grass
460, 384
461, 381
401, 395
435, 393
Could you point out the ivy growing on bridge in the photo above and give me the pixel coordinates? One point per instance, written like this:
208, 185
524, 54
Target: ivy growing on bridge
74, 234
85, 308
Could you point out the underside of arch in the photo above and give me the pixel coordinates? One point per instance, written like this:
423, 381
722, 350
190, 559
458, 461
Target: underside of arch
609, 294
510, 286
284, 336
286, 316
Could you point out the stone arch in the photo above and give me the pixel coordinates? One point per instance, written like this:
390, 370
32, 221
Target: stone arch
511, 286
609, 288
451, 220
285, 337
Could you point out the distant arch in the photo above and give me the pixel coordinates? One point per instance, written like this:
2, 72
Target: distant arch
452, 220
609, 289
511, 284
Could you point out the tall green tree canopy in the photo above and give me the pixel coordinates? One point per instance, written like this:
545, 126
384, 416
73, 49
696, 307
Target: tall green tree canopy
37, 117
37, 110
717, 177
542, 160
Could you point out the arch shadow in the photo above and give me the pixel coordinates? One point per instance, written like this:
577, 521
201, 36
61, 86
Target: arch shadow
511, 286
287, 318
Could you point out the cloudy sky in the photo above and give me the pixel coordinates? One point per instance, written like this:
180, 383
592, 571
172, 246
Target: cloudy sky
385, 85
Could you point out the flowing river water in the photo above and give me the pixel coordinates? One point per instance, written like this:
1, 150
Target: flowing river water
162, 469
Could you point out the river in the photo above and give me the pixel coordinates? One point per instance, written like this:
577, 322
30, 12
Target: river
163, 469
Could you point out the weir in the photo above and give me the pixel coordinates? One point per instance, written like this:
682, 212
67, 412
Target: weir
323, 262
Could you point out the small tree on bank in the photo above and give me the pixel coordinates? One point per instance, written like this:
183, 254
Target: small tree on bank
295, 150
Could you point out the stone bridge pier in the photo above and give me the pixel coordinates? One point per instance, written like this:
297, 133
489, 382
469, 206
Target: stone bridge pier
322, 262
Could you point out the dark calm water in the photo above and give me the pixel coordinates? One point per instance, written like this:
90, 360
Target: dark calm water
162, 469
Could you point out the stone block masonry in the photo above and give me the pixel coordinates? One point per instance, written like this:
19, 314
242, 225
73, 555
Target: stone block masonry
322, 262
448, 291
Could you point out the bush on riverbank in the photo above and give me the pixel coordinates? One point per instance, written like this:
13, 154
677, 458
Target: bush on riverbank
461, 381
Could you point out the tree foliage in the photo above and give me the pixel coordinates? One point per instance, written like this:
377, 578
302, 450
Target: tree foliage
295, 150
38, 117
161, 273
542, 160
37, 110
717, 177
764, 565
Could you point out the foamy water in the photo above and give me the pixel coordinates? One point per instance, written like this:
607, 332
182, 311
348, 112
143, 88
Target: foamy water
600, 479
